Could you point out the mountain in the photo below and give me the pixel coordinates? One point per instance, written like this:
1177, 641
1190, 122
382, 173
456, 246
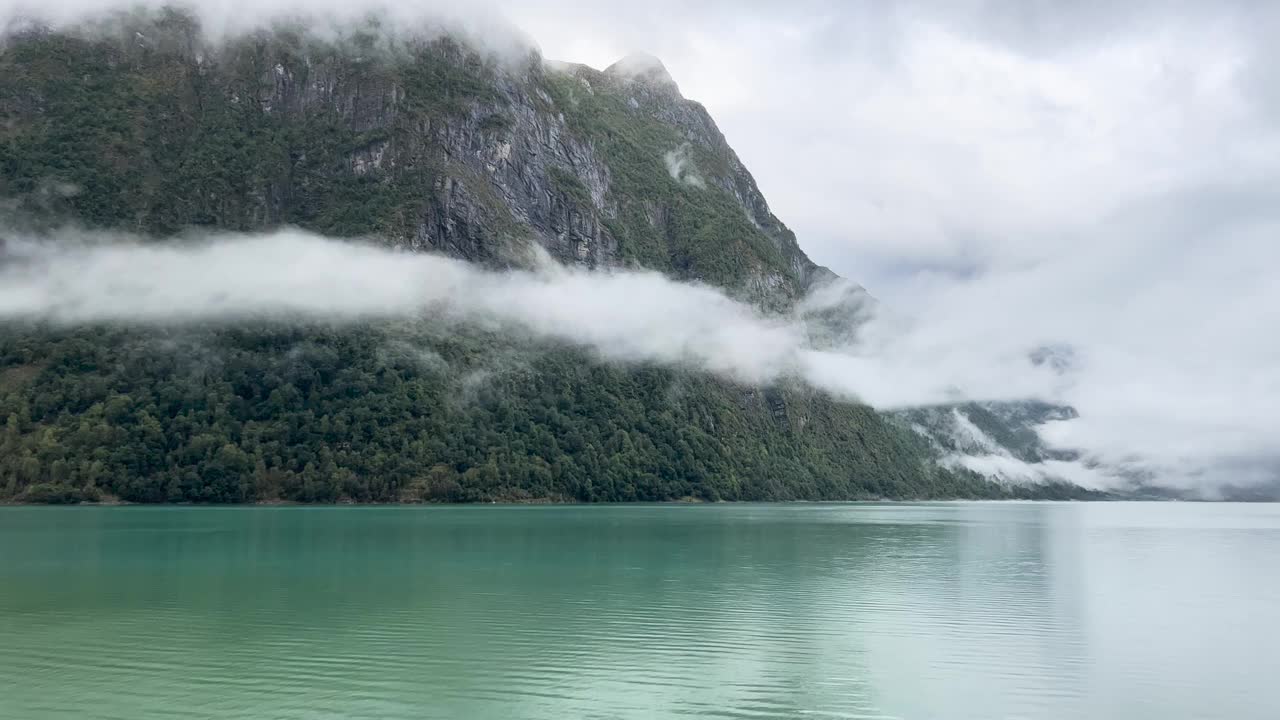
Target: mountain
993, 428
145, 125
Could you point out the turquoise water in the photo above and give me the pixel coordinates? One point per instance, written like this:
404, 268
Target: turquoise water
968, 610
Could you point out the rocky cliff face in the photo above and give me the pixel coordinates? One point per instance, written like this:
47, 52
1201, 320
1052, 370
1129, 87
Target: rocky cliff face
428, 143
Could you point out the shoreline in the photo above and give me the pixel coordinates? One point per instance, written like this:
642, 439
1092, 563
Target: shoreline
638, 503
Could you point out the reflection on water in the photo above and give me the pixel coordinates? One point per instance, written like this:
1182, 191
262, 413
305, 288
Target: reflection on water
908, 611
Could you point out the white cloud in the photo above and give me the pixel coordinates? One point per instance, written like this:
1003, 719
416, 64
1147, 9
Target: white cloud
482, 24
94, 278
681, 169
83, 278
1010, 470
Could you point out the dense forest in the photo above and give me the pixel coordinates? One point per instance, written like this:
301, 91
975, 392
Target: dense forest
388, 414
432, 146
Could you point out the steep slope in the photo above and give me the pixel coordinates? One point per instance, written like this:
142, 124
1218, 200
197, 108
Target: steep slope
1005, 428
433, 146
423, 142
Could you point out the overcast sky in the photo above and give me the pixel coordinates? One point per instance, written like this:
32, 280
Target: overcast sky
1098, 175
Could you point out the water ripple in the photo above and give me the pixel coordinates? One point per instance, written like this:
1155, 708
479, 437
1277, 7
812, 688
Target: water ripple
850, 611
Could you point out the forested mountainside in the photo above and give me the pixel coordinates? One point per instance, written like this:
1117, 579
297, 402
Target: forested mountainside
426, 143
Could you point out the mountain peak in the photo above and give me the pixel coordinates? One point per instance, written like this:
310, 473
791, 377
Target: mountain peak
643, 67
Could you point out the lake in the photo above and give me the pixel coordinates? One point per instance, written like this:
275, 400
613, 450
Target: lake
946, 610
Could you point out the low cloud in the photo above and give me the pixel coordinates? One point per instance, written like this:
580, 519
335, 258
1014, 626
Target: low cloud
92, 278
85, 278
481, 25
681, 169
1178, 422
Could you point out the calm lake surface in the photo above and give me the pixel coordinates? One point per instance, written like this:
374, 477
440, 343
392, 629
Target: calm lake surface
965, 610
